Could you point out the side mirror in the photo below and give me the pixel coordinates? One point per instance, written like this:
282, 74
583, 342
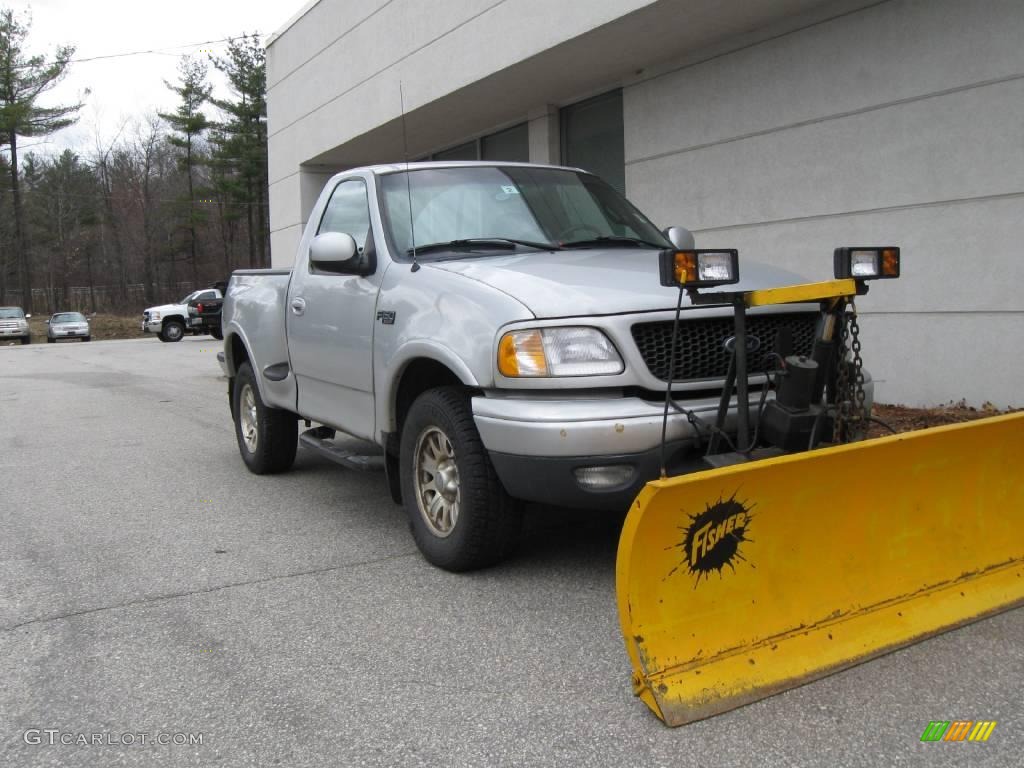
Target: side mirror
47, 322
28, 316
337, 252
680, 237
333, 250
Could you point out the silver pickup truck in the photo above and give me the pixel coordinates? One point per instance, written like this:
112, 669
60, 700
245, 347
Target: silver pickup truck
498, 330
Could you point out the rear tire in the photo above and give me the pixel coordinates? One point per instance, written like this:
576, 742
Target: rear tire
460, 514
267, 437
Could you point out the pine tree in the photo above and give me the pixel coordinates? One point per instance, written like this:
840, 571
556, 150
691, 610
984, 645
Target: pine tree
23, 79
189, 123
63, 207
240, 143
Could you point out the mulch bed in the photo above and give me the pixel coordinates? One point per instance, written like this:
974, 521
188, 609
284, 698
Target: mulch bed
904, 419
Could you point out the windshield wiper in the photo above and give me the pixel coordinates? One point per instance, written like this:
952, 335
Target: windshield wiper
612, 240
490, 242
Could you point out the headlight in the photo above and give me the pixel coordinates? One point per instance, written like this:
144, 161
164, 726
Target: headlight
540, 352
154, 316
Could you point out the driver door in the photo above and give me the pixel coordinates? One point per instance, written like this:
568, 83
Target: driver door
330, 323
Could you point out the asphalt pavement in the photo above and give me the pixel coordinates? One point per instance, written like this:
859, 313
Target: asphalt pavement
152, 589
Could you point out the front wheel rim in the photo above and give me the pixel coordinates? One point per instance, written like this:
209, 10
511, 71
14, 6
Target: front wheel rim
248, 420
438, 491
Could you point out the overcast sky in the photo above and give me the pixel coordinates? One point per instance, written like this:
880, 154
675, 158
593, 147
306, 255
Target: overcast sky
131, 86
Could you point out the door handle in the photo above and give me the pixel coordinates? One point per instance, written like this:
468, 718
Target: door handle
298, 305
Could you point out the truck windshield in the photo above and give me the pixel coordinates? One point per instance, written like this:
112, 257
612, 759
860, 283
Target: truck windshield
517, 203
11, 313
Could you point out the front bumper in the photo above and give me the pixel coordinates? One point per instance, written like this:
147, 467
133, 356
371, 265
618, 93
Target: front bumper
596, 426
538, 444
152, 326
13, 333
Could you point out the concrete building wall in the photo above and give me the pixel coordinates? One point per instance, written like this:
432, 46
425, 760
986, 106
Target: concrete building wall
901, 123
333, 75
781, 127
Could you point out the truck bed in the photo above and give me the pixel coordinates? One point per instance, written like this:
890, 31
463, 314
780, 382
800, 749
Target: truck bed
254, 308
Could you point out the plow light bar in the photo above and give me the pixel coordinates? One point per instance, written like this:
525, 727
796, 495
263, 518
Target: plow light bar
866, 263
699, 268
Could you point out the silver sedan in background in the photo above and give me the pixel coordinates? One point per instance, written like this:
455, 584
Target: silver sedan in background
67, 325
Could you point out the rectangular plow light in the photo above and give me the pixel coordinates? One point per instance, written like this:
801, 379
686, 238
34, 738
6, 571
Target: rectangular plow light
699, 268
866, 263
745, 581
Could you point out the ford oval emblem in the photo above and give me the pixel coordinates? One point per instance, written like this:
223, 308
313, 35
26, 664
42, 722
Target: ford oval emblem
753, 343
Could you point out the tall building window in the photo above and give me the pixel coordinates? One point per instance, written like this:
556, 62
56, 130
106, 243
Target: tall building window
592, 137
511, 145
467, 151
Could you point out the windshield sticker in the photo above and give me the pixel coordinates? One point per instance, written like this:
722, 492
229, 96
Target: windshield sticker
508, 189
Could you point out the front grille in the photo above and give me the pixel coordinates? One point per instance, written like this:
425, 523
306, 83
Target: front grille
700, 348
145, 317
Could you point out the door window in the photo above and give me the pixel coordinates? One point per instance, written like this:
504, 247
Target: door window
348, 211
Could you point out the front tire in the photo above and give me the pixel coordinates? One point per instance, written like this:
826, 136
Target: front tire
460, 514
267, 437
26, 340
87, 338
172, 331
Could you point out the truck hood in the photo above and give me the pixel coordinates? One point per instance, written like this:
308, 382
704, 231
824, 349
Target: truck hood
594, 281
166, 309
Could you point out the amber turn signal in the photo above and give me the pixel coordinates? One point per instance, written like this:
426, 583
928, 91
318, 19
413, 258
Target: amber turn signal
702, 268
866, 263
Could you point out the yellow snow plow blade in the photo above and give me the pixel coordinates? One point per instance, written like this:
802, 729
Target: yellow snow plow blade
740, 582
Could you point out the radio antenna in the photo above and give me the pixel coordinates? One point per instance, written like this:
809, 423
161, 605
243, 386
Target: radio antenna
408, 182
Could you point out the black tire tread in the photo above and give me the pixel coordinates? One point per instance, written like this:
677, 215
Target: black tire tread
278, 430
490, 520
164, 337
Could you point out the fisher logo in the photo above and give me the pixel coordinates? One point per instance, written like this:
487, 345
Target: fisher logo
713, 537
958, 730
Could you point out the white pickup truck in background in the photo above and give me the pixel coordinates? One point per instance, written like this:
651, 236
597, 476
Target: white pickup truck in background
505, 340
170, 321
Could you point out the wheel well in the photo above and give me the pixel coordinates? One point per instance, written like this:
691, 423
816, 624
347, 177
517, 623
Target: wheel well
179, 318
419, 376
239, 354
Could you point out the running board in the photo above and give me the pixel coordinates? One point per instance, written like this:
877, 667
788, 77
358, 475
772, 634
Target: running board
321, 440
